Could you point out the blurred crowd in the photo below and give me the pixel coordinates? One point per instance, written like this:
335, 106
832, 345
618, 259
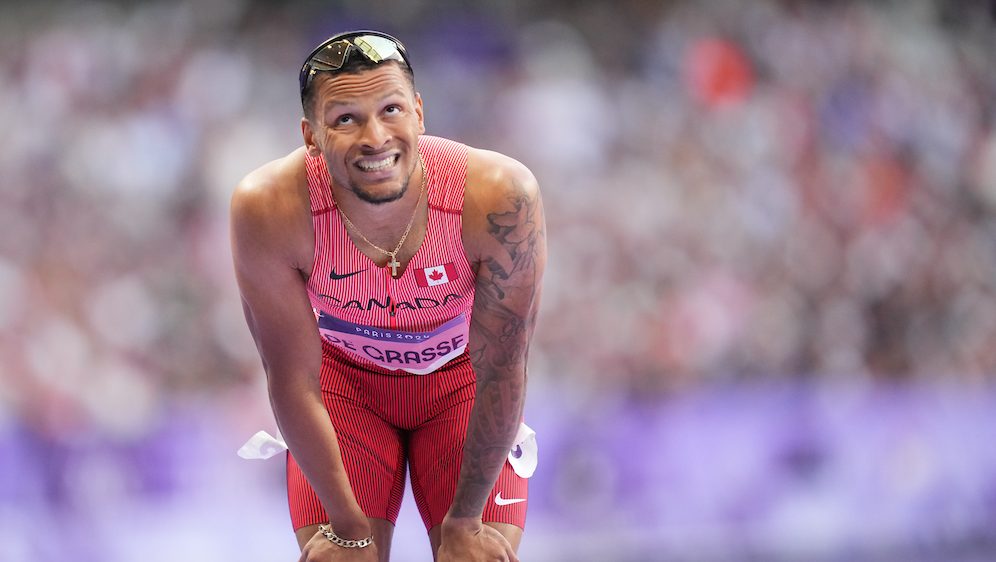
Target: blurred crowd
733, 190
758, 189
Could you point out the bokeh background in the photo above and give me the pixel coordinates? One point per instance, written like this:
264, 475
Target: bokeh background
769, 326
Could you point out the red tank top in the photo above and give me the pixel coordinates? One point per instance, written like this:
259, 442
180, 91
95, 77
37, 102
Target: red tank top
416, 323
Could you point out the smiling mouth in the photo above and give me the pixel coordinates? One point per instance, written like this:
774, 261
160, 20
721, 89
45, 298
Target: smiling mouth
378, 165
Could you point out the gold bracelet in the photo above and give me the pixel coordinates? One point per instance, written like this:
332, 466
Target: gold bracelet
344, 543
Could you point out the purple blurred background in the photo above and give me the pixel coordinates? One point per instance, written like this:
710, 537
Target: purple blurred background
769, 319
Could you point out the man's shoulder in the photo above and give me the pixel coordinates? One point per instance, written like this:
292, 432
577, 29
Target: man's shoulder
278, 185
271, 210
275, 178
493, 177
501, 192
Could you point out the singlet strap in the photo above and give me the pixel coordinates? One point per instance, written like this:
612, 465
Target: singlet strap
446, 164
319, 185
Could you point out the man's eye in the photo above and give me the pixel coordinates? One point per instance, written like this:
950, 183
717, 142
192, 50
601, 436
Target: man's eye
344, 120
393, 109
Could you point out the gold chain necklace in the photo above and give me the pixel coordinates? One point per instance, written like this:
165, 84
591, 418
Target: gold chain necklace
394, 264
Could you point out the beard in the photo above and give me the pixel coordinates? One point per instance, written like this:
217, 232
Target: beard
369, 196
378, 199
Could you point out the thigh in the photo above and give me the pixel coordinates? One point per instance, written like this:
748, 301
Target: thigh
435, 451
373, 456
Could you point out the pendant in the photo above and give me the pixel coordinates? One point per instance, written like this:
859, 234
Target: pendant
394, 264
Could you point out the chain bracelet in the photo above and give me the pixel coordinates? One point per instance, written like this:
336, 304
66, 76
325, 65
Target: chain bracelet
344, 543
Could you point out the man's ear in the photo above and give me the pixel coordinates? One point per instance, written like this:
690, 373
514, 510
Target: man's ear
309, 138
420, 111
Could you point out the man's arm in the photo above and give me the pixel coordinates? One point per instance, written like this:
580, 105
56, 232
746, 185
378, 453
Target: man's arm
505, 237
271, 248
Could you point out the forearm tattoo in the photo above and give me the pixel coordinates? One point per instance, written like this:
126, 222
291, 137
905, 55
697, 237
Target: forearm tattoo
505, 304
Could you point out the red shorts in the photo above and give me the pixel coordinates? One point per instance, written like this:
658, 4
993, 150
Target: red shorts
384, 422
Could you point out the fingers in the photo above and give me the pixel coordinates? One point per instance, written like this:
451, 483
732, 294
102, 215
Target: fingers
510, 554
308, 553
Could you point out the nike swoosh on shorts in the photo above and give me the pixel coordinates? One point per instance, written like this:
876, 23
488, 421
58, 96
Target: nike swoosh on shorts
507, 501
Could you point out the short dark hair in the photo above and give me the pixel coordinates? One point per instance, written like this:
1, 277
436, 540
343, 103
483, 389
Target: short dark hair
354, 65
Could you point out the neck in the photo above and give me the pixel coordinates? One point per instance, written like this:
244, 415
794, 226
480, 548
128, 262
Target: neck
381, 218
385, 226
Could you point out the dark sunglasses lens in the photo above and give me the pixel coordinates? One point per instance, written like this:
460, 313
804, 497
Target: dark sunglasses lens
332, 56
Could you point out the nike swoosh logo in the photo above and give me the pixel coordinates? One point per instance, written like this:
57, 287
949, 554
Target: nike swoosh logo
336, 276
507, 501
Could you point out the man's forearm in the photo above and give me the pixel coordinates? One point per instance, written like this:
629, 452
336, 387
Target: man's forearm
308, 431
506, 299
494, 421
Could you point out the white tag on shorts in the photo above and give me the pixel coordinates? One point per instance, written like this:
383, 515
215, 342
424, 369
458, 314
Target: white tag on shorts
524, 454
262, 445
523, 457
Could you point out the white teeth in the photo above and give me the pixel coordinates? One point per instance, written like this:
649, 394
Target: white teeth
376, 165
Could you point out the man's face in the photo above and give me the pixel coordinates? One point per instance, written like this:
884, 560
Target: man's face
367, 125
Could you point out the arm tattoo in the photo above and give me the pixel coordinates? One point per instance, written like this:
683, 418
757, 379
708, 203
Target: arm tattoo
504, 315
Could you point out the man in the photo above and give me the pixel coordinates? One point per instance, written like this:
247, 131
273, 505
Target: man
420, 261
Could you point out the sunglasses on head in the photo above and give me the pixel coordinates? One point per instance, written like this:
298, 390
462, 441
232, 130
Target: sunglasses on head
332, 54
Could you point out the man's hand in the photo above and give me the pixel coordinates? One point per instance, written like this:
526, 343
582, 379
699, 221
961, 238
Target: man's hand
320, 549
473, 541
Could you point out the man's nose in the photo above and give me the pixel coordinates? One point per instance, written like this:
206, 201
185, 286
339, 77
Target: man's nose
375, 134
